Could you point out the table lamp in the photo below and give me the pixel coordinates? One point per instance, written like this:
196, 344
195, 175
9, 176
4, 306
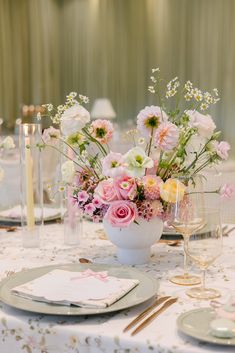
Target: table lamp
103, 109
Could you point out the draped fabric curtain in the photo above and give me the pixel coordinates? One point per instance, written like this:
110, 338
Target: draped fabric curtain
106, 48
29, 55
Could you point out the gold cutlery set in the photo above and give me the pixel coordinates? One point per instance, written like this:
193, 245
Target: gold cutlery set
165, 303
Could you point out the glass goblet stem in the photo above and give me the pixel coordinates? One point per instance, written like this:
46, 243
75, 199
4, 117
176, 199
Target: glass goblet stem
203, 279
186, 274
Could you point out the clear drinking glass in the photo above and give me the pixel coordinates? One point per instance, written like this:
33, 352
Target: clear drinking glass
185, 216
31, 184
203, 248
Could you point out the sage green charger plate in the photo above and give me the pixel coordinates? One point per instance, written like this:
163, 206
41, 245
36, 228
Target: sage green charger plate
146, 289
196, 324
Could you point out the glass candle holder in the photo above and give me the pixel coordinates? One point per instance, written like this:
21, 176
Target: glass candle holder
31, 184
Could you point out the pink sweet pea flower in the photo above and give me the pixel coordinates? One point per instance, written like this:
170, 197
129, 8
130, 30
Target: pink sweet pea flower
97, 202
125, 187
106, 191
121, 213
222, 149
226, 191
89, 209
82, 196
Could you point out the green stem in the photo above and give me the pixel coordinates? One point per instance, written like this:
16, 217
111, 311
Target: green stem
102, 149
175, 155
198, 156
150, 143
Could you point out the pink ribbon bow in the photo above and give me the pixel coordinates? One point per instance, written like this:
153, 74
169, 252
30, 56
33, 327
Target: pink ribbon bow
102, 276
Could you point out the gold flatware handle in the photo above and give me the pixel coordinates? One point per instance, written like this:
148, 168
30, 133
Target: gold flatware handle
227, 232
82, 260
170, 242
145, 313
154, 315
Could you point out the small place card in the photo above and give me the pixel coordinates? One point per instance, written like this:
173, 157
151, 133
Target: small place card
88, 288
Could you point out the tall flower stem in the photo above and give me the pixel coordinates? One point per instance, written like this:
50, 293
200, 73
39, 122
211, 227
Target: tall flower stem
102, 149
150, 143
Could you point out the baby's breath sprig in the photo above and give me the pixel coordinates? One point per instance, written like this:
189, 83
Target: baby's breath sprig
72, 99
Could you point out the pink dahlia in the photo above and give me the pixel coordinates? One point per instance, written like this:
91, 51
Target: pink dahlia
113, 165
102, 130
152, 186
149, 119
167, 136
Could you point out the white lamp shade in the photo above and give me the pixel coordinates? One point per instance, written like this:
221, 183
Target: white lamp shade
102, 109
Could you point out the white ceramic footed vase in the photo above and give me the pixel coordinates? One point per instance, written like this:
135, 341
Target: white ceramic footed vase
134, 242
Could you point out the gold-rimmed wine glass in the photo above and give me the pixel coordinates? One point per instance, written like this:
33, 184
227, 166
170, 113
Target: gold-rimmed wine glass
203, 248
185, 216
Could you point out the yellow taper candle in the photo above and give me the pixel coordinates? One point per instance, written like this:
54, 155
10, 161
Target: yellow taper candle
29, 185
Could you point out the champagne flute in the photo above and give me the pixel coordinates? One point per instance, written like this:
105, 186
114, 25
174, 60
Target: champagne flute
185, 216
203, 248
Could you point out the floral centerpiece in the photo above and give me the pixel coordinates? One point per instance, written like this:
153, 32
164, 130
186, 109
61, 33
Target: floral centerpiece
170, 140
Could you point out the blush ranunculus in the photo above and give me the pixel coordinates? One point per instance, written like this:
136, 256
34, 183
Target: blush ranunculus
121, 213
204, 123
106, 191
222, 149
125, 187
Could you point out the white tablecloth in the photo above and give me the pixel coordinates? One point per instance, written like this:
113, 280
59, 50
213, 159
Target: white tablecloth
24, 332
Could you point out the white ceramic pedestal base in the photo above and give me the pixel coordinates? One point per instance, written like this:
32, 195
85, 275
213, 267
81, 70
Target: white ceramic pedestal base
133, 256
134, 242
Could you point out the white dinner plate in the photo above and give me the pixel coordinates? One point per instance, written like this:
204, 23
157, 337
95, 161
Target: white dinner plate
146, 289
196, 324
53, 215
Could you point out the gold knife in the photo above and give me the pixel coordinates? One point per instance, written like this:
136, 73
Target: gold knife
154, 315
145, 313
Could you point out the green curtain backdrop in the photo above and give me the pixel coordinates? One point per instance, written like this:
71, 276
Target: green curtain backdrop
106, 48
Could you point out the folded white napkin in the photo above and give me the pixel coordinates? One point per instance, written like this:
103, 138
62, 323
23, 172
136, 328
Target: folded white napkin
15, 212
88, 288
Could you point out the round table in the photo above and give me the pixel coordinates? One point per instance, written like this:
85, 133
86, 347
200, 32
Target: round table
32, 333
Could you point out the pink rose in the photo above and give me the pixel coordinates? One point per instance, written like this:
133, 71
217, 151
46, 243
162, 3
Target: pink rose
121, 213
106, 191
125, 187
226, 191
222, 149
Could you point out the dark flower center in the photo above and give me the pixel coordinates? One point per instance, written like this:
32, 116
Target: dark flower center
152, 121
100, 132
114, 164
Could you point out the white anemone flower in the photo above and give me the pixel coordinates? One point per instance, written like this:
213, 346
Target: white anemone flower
136, 161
